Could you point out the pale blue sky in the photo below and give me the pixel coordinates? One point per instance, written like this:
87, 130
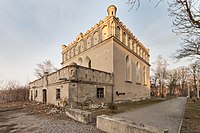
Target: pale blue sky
33, 30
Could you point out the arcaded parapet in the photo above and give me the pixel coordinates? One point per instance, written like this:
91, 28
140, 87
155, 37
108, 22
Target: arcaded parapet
110, 26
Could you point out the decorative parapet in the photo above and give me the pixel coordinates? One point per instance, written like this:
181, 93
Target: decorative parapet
74, 73
108, 27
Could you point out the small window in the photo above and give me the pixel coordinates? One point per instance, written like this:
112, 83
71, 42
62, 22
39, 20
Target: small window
89, 64
31, 95
36, 93
100, 92
57, 93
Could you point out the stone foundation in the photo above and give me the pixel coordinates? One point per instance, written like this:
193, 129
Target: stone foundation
118, 125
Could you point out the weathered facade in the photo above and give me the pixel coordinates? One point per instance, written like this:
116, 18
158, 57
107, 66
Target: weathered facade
112, 66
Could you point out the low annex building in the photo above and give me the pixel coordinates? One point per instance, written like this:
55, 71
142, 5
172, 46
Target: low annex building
106, 64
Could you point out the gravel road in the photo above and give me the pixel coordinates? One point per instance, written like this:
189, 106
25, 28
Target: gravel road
165, 115
20, 122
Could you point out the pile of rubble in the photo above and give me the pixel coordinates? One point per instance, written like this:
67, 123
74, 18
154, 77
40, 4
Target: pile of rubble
36, 107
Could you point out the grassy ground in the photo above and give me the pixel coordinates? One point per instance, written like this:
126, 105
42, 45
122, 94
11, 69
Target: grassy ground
123, 107
44, 109
191, 120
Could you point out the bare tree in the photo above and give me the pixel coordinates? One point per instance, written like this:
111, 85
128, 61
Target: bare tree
136, 3
186, 16
172, 80
189, 48
186, 21
45, 66
160, 71
183, 75
194, 70
12, 91
185, 12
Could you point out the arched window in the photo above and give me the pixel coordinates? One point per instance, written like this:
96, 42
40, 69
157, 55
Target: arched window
124, 38
112, 28
68, 54
96, 37
128, 68
137, 72
117, 33
76, 49
89, 43
80, 60
88, 62
72, 52
82, 46
144, 75
104, 32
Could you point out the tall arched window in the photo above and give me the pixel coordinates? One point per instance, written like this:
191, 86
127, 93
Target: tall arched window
104, 32
88, 62
144, 75
128, 68
137, 72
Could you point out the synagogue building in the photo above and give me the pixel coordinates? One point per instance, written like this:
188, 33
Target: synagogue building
106, 64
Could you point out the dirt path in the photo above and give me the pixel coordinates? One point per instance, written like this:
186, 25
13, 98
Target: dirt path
165, 115
18, 121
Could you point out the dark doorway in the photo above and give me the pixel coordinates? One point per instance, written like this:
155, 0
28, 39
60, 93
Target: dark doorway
44, 96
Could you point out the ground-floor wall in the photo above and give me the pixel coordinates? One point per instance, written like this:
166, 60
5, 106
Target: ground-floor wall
72, 94
49, 94
86, 94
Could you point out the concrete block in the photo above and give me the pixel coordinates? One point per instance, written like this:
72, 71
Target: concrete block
118, 125
80, 115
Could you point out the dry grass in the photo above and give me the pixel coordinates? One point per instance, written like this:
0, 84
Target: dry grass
44, 109
191, 120
123, 107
